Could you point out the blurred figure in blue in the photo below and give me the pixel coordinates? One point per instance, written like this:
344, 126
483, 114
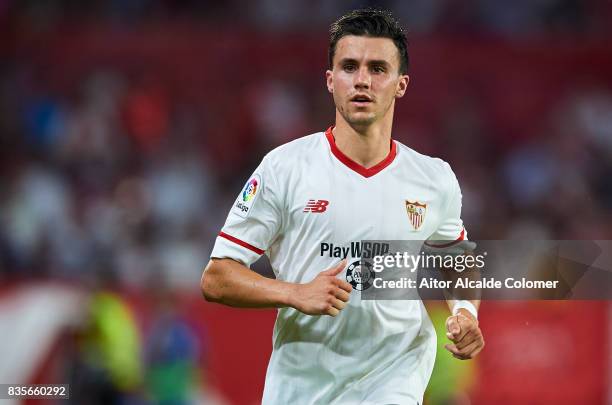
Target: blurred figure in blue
172, 355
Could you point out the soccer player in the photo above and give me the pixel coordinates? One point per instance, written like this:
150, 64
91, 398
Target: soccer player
309, 203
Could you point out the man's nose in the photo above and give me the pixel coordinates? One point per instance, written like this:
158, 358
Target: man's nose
363, 78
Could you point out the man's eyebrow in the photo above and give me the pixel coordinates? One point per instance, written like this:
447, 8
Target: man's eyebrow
376, 62
347, 60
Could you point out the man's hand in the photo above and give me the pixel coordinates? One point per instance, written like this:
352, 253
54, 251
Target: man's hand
325, 295
463, 331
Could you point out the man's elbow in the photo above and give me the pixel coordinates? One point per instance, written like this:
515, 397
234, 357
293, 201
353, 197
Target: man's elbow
209, 284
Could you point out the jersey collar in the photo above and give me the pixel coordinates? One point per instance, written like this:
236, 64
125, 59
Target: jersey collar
351, 164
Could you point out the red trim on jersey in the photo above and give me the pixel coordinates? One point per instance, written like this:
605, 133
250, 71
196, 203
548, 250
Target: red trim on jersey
445, 245
351, 164
241, 243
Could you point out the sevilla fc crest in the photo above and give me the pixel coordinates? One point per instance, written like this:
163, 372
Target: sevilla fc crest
416, 213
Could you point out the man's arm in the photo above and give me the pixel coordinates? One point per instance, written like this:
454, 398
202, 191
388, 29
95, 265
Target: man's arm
229, 282
462, 326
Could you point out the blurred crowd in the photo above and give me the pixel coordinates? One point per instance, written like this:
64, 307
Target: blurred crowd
82, 191
499, 17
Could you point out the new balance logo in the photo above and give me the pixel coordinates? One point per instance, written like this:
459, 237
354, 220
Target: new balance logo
316, 206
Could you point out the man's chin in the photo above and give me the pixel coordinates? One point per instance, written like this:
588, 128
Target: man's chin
361, 119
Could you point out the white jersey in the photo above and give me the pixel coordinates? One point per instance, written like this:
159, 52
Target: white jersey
306, 207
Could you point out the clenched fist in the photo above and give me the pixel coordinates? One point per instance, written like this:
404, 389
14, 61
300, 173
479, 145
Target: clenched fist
325, 295
463, 331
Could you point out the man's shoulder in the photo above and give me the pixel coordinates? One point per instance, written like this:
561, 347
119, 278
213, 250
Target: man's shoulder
428, 165
292, 152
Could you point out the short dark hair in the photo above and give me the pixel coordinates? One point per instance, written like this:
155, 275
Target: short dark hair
371, 23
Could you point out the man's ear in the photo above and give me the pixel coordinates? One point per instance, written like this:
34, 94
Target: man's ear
329, 80
402, 85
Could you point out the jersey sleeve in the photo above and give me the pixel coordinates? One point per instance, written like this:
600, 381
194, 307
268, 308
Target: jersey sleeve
450, 230
254, 219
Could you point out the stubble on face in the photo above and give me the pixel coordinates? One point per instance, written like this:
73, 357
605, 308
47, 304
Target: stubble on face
363, 119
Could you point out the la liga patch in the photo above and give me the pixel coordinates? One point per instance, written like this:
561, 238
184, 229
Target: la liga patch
247, 196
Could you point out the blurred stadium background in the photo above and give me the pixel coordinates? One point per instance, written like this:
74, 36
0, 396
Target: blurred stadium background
128, 127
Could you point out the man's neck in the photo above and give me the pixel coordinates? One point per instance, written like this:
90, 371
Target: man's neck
365, 146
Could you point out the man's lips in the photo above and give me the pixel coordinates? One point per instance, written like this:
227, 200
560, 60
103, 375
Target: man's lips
361, 100
361, 104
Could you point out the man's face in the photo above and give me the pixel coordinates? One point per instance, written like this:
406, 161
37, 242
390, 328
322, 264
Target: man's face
365, 78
